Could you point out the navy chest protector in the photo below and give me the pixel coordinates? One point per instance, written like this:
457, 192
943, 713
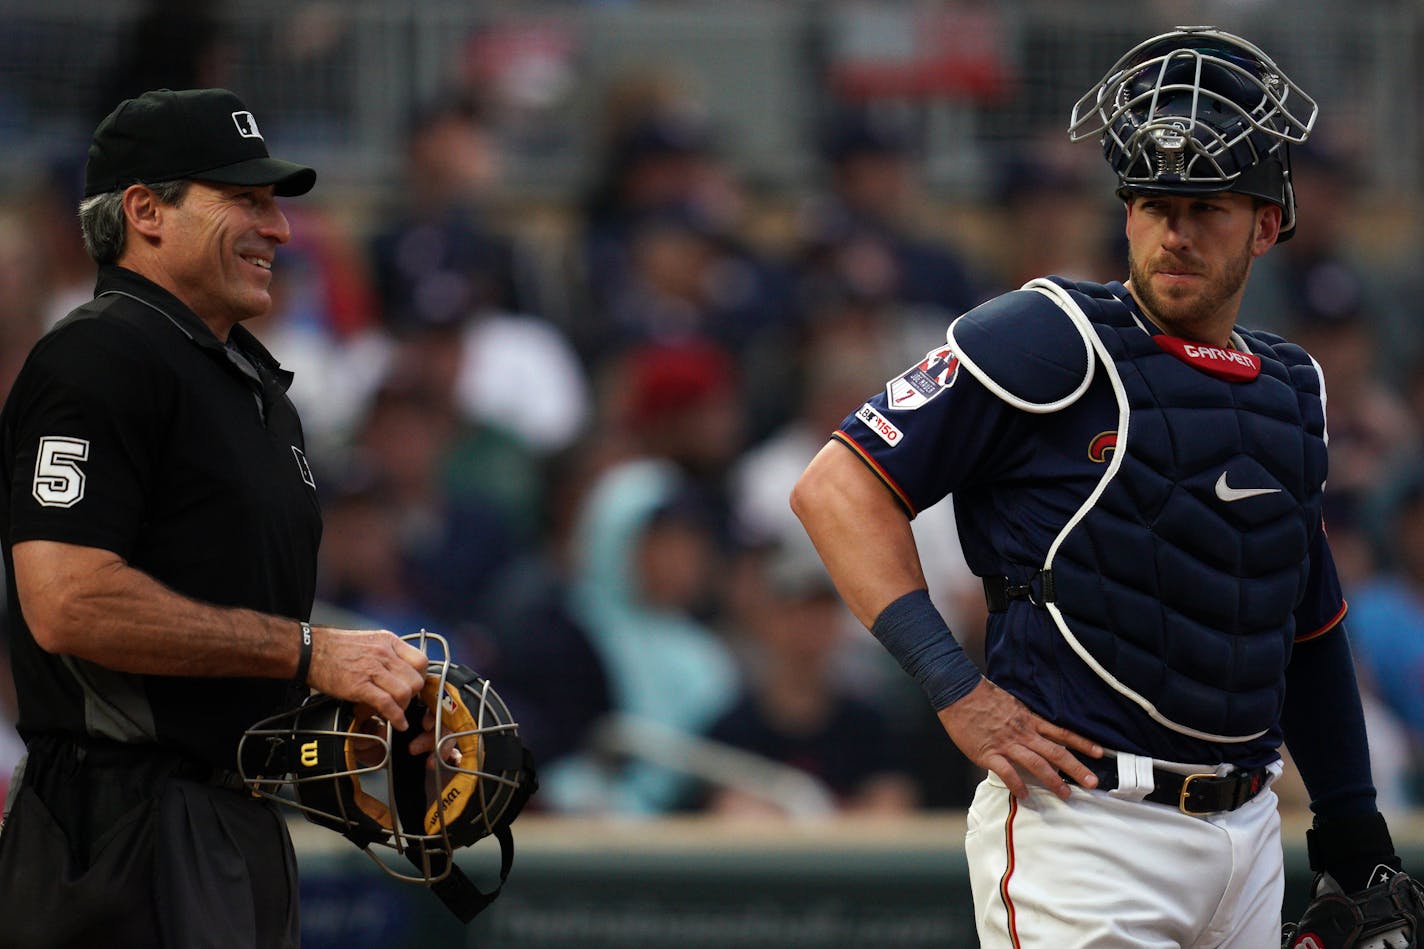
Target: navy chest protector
1177, 579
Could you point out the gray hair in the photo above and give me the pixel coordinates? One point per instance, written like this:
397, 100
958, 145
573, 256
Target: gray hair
101, 218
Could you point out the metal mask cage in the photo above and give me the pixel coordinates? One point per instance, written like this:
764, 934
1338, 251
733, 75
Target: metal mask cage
1194, 111
333, 789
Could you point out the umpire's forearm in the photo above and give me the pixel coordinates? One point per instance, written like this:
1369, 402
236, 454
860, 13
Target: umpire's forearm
88, 603
861, 532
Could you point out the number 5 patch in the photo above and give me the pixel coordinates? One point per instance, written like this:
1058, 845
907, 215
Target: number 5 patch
59, 482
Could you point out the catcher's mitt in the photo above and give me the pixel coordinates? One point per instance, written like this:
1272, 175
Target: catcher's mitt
1384, 915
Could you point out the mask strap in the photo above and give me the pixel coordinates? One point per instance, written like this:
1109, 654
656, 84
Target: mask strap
461, 896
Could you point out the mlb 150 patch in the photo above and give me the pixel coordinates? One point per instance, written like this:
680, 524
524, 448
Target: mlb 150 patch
879, 424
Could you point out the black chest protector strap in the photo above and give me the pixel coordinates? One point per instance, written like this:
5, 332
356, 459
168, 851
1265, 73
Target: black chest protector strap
1000, 590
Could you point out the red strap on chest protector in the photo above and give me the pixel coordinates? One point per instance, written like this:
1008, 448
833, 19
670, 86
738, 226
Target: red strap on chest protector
1233, 365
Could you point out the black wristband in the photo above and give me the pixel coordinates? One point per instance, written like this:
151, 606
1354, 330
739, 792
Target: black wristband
304, 657
912, 630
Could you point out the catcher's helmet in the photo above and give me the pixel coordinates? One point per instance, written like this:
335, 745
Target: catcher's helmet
1198, 111
348, 769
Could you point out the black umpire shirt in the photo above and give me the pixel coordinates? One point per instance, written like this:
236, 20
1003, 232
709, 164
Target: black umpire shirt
132, 428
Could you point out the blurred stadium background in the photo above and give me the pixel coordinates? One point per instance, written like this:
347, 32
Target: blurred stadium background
633, 336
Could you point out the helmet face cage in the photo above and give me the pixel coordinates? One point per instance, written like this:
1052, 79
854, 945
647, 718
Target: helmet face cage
342, 766
1198, 111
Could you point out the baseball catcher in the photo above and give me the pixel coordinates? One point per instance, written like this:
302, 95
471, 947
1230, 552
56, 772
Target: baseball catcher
1138, 478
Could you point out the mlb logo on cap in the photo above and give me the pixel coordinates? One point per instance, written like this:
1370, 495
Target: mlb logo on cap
246, 125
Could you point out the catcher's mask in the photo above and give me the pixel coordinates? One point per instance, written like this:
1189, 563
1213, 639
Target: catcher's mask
1198, 111
349, 770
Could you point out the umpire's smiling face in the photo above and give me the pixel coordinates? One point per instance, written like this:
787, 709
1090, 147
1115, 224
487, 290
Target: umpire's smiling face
217, 247
1189, 255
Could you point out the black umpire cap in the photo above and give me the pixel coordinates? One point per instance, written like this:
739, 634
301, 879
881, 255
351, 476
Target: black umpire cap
206, 134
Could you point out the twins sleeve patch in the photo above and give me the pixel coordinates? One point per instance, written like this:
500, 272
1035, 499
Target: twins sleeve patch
931, 376
880, 425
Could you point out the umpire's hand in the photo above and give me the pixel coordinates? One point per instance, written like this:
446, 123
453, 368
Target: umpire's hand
374, 667
998, 732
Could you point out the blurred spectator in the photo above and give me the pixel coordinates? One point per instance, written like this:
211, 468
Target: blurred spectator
661, 254
1386, 623
548, 671
451, 285
521, 374
324, 326
543, 658
680, 402
643, 560
363, 569
12, 749
1373, 436
846, 302
684, 279
170, 44
441, 260
1052, 219
67, 272
1322, 275
448, 544
22, 295
796, 709
874, 189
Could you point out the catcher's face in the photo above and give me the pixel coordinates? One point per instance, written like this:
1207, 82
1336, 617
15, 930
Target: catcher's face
1189, 256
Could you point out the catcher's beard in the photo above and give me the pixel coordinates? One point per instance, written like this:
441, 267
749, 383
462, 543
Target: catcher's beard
1178, 317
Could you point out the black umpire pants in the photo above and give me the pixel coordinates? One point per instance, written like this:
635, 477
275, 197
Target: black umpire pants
119, 845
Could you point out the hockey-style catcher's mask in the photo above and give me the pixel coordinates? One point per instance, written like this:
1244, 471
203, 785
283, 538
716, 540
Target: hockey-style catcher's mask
349, 770
1198, 111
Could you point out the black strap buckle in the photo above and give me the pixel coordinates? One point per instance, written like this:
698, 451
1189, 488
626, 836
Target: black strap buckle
1038, 590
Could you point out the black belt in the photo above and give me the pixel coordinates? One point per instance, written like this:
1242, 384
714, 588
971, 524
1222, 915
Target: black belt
998, 591
1192, 794
162, 761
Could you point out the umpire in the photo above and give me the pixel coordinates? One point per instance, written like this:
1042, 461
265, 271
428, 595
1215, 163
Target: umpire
160, 529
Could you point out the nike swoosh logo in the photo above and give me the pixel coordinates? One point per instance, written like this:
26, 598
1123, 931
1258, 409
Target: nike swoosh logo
1227, 493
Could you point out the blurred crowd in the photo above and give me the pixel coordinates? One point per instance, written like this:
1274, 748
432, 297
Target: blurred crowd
578, 471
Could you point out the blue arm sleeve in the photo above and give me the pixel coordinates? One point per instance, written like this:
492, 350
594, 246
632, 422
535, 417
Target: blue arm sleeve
1324, 726
912, 630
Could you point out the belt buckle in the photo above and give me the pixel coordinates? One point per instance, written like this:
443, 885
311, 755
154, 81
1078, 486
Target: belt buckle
1187, 789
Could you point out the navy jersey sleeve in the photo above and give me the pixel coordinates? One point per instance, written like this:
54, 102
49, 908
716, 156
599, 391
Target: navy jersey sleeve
83, 429
933, 429
1323, 605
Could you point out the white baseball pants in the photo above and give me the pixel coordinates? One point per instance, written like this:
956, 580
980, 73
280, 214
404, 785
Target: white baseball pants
1103, 871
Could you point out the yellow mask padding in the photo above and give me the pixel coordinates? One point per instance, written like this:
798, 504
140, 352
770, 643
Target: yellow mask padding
455, 717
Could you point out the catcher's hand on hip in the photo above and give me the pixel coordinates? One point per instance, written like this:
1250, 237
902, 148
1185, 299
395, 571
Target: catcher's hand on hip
999, 733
